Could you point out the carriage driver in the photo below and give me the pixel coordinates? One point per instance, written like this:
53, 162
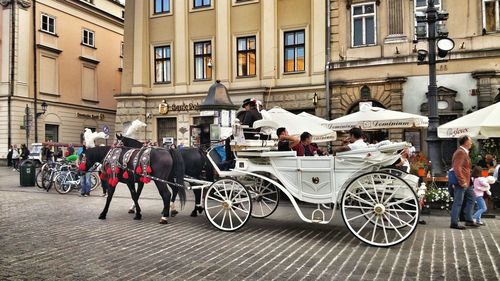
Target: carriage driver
355, 141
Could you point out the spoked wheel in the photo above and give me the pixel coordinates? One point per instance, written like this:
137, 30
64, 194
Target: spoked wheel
39, 176
265, 196
228, 204
95, 181
62, 183
47, 179
380, 209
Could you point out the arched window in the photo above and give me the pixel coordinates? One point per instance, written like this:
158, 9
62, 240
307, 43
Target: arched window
365, 93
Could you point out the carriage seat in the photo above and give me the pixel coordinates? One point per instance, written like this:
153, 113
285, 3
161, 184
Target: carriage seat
384, 147
222, 165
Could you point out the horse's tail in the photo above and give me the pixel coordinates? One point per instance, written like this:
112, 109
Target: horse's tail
209, 169
178, 174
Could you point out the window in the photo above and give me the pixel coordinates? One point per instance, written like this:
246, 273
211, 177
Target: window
48, 74
202, 57
88, 38
161, 6
201, 3
246, 56
363, 24
89, 84
52, 133
162, 64
48, 24
294, 51
491, 15
421, 6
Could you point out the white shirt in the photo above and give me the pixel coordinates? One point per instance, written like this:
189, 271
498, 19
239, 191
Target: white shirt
15, 154
495, 174
359, 144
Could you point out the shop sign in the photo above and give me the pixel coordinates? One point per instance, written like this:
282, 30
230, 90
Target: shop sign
99, 116
164, 108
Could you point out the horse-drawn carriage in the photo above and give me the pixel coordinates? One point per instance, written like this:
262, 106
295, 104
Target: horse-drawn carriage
378, 205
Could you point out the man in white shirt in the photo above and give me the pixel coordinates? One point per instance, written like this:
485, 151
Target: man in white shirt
355, 141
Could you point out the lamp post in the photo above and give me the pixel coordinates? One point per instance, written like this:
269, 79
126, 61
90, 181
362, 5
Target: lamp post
444, 44
28, 120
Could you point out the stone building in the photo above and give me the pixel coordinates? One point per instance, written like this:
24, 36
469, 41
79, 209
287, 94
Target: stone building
63, 54
374, 58
175, 50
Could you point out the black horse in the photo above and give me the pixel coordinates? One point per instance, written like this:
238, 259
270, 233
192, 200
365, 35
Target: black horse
196, 165
165, 165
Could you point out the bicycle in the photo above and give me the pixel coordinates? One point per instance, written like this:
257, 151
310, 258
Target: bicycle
46, 175
70, 178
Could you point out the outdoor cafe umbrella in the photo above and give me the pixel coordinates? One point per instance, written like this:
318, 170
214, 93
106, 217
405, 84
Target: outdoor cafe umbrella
483, 123
295, 124
376, 118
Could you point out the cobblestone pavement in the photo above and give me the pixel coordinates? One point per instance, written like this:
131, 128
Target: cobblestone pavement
47, 236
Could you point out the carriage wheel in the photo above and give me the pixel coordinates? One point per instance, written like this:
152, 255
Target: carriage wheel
95, 181
228, 204
380, 209
265, 196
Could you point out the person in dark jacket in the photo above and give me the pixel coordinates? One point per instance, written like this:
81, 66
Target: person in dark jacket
24, 152
9, 156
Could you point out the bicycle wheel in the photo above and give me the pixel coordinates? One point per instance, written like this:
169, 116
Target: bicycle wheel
61, 183
95, 181
39, 176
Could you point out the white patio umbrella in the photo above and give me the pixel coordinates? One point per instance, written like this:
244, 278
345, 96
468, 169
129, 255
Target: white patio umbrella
374, 118
295, 124
313, 118
484, 123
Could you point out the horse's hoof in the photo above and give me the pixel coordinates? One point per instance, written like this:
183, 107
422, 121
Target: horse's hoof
200, 209
194, 213
102, 217
130, 211
163, 221
173, 213
138, 217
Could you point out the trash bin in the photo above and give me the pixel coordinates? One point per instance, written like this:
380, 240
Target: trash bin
27, 174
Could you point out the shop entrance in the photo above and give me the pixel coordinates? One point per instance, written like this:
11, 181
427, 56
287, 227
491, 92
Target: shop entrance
167, 130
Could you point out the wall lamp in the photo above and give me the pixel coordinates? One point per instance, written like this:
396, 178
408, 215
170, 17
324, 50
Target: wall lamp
421, 55
44, 109
315, 99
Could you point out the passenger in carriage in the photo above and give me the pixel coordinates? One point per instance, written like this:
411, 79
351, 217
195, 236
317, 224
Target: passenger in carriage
355, 141
285, 141
252, 113
304, 148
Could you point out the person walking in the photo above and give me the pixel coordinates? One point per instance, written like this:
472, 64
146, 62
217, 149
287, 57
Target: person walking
479, 188
461, 164
24, 152
9, 156
15, 157
85, 179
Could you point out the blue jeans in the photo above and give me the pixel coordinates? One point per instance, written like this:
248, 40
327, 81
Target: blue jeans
482, 208
85, 183
459, 196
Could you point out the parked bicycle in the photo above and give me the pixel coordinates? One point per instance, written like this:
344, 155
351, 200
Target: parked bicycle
46, 175
70, 178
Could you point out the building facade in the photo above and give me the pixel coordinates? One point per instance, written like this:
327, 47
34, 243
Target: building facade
65, 54
272, 50
374, 58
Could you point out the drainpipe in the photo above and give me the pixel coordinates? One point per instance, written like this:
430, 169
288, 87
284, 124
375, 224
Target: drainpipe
35, 80
12, 70
328, 56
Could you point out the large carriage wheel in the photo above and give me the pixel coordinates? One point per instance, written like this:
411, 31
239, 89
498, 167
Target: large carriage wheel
228, 204
380, 209
265, 196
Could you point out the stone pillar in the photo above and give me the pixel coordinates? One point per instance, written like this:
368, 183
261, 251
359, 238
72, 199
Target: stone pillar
317, 36
140, 77
269, 41
486, 95
222, 41
181, 46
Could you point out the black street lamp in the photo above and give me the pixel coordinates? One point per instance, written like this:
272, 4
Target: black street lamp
28, 120
444, 44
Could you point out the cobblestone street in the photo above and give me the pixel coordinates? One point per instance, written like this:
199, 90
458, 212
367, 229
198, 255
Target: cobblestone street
47, 236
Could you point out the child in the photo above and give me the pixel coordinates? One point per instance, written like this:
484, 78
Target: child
478, 192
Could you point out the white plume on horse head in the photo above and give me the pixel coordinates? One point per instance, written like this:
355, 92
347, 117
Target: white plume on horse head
90, 137
134, 127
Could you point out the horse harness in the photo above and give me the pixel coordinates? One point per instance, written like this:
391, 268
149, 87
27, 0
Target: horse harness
141, 165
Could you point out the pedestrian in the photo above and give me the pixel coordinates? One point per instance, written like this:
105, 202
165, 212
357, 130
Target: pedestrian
24, 152
479, 193
461, 164
15, 157
85, 178
9, 156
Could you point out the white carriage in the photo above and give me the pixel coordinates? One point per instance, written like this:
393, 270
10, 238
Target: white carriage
379, 206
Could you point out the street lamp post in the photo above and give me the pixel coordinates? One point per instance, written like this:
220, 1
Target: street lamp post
28, 120
431, 16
